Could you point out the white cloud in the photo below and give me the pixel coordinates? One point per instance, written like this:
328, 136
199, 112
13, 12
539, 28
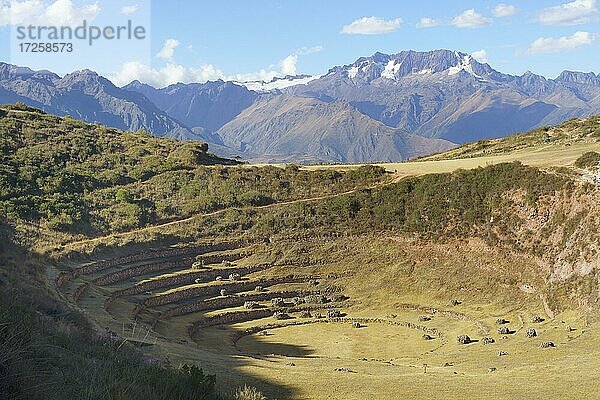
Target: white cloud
504, 10
371, 26
426, 22
309, 50
288, 64
60, 12
556, 45
576, 12
128, 10
470, 19
37, 12
480, 55
167, 75
168, 49
173, 73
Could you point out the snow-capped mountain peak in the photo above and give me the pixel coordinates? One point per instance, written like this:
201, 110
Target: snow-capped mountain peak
413, 63
278, 83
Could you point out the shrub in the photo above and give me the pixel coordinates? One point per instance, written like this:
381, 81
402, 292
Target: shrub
530, 333
463, 339
503, 330
248, 393
487, 340
588, 160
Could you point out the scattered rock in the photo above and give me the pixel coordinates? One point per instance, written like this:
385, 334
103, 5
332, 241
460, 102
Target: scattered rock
491, 369
251, 305
502, 353
424, 318
530, 333
258, 289
427, 337
263, 333
488, 340
291, 364
223, 292
454, 302
218, 278
356, 324
536, 319
315, 299
504, 330
502, 321
234, 277
547, 345
447, 364
278, 302
297, 301
280, 315
334, 314
463, 339
569, 328
343, 370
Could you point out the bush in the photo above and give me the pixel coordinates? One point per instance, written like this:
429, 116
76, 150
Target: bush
588, 160
248, 393
463, 339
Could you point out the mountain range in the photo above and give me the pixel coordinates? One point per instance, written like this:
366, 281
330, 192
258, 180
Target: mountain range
379, 108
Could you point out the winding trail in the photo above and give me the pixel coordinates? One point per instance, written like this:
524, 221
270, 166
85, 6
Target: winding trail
395, 179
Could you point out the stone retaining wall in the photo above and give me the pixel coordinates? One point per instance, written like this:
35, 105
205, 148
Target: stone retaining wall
97, 266
229, 318
127, 273
233, 301
255, 329
213, 290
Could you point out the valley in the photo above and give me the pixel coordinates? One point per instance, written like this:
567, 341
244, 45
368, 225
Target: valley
463, 270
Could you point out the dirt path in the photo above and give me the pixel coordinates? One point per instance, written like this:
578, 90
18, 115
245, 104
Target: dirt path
213, 213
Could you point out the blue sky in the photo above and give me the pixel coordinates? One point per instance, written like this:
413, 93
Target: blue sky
259, 39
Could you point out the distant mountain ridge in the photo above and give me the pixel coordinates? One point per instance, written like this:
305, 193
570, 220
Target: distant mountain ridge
385, 107
88, 96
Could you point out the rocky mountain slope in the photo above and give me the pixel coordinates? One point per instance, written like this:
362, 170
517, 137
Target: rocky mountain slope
359, 112
295, 128
88, 96
453, 96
